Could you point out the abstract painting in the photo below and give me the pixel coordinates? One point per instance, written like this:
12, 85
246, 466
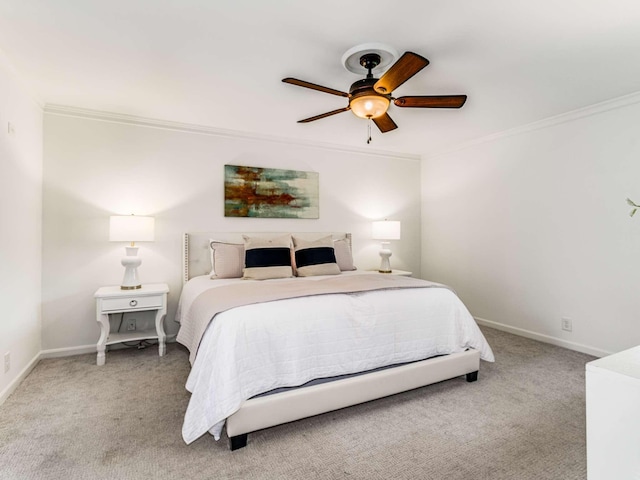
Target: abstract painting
270, 193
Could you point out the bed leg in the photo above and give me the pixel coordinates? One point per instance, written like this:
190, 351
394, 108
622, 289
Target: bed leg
472, 377
238, 441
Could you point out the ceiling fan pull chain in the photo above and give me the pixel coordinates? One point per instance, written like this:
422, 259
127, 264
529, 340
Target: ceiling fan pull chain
369, 131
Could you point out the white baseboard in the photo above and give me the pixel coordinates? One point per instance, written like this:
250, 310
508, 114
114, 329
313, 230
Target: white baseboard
68, 351
82, 349
578, 347
19, 379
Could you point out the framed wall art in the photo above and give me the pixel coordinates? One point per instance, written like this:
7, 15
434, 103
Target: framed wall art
270, 193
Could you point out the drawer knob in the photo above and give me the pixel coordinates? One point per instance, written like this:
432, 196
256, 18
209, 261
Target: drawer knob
133, 303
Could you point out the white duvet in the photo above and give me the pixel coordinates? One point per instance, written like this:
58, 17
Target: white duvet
255, 348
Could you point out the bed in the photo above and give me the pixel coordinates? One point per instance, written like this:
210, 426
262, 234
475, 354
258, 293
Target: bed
267, 352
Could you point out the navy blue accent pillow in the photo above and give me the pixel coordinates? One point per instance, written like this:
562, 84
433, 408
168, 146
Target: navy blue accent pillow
315, 256
268, 257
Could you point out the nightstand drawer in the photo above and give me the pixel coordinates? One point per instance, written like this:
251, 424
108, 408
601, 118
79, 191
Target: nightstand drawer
132, 302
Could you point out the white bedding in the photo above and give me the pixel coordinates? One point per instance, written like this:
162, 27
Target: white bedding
255, 348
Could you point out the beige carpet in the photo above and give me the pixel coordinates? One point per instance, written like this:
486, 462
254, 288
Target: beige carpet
524, 419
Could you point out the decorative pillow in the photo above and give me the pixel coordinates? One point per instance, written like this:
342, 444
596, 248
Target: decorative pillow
316, 257
266, 258
213, 258
344, 258
227, 259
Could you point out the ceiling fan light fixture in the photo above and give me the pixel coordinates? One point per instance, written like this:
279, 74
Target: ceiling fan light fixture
369, 106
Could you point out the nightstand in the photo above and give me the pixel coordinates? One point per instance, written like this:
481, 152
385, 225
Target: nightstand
151, 297
403, 273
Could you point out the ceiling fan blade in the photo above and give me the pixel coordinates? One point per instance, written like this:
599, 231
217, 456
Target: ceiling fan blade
406, 67
322, 115
432, 101
385, 123
313, 86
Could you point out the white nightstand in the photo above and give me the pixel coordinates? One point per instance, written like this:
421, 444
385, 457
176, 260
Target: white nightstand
403, 273
115, 300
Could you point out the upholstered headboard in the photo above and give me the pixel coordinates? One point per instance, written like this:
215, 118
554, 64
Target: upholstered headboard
196, 257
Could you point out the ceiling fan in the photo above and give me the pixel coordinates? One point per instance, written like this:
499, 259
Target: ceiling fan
371, 97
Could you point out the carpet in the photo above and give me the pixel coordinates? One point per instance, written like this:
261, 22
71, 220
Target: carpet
523, 419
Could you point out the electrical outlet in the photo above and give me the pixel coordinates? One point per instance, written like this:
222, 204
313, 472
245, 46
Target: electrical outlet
11, 129
7, 362
566, 324
131, 325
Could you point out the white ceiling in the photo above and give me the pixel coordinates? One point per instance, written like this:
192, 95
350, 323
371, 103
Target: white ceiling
220, 63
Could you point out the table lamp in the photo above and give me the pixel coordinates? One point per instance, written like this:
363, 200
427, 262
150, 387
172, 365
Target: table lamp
385, 230
131, 228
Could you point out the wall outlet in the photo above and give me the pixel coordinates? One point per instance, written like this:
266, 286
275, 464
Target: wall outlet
566, 324
7, 362
131, 325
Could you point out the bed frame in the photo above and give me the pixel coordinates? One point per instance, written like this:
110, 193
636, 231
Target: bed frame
294, 404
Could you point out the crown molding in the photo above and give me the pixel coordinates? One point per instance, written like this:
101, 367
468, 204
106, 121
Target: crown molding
595, 109
123, 118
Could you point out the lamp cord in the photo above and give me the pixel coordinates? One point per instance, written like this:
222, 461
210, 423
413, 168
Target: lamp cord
369, 131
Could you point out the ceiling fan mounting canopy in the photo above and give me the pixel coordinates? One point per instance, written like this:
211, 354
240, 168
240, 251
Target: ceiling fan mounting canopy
351, 58
370, 61
371, 97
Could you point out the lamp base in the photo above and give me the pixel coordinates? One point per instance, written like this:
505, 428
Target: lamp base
385, 253
131, 262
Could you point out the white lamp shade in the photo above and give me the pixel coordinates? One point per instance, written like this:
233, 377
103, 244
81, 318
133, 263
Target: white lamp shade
131, 228
386, 230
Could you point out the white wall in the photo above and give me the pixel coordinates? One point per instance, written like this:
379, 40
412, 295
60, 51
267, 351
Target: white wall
96, 168
20, 220
533, 226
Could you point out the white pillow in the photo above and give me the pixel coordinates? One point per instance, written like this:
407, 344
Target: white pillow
344, 257
227, 259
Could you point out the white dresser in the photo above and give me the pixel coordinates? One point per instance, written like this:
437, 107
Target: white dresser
613, 417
